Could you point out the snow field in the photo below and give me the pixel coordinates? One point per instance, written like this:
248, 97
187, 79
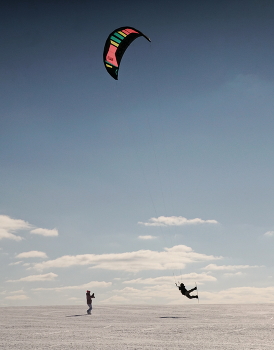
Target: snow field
136, 327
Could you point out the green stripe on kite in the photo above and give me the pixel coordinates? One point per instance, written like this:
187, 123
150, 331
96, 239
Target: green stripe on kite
119, 36
115, 39
110, 64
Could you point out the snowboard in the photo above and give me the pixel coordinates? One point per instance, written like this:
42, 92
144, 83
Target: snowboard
197, 292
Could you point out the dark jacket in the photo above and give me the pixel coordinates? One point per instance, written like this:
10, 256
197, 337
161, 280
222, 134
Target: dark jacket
89, 298
183, 289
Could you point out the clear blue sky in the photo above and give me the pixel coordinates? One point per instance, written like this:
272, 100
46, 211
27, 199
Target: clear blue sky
121, 186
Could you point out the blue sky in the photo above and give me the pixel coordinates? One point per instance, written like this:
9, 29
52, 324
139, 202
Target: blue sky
123, 187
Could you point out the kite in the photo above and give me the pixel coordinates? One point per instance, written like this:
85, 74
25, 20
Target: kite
115, 47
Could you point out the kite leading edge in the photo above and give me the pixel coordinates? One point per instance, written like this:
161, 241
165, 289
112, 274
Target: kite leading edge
115, 47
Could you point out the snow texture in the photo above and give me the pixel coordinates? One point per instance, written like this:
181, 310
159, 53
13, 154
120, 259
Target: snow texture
190, 327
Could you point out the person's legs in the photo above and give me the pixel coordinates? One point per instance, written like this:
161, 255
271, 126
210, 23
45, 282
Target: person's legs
191, 290
90, 308
191, 296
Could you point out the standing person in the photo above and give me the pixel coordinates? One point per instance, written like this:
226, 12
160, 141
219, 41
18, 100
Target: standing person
89, 301
186, 292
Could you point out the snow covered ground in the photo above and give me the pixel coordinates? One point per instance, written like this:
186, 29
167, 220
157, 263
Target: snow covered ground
233, 327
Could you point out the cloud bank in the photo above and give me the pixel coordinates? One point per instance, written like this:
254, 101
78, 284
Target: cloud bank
17, 297
9, 226
45, 232
16, 263
269, 234
190, 277
176, 257
175, 221
213, 267
90, 286
31, 254
154, 293
240, 295
37, 278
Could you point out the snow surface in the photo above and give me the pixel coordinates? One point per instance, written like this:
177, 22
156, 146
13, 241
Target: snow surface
138, 327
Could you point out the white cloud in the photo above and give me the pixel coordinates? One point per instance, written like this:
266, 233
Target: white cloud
231, 274
190, 278
37, 278
31, 254
9, 226
155, 294
152, 294
17, 291
16, 263
8, 235
88, 286
175, 221
45, 232
13, 224
171, 258
147, 237
17, 297
117, 299
269, 234
213, 267
240, 295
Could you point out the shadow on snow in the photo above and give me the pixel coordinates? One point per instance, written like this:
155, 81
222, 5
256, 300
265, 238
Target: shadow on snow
172, 317
77, 315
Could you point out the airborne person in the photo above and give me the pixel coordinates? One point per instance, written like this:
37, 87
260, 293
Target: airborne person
89, 301
186, 292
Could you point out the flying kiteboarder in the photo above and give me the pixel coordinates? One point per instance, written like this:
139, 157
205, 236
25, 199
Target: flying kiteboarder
186, 292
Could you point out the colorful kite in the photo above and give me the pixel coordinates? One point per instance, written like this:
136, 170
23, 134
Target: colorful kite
115, 47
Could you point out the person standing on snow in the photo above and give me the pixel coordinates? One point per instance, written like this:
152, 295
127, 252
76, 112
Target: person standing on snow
89, 301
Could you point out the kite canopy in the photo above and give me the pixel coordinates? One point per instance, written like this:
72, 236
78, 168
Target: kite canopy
115, 47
